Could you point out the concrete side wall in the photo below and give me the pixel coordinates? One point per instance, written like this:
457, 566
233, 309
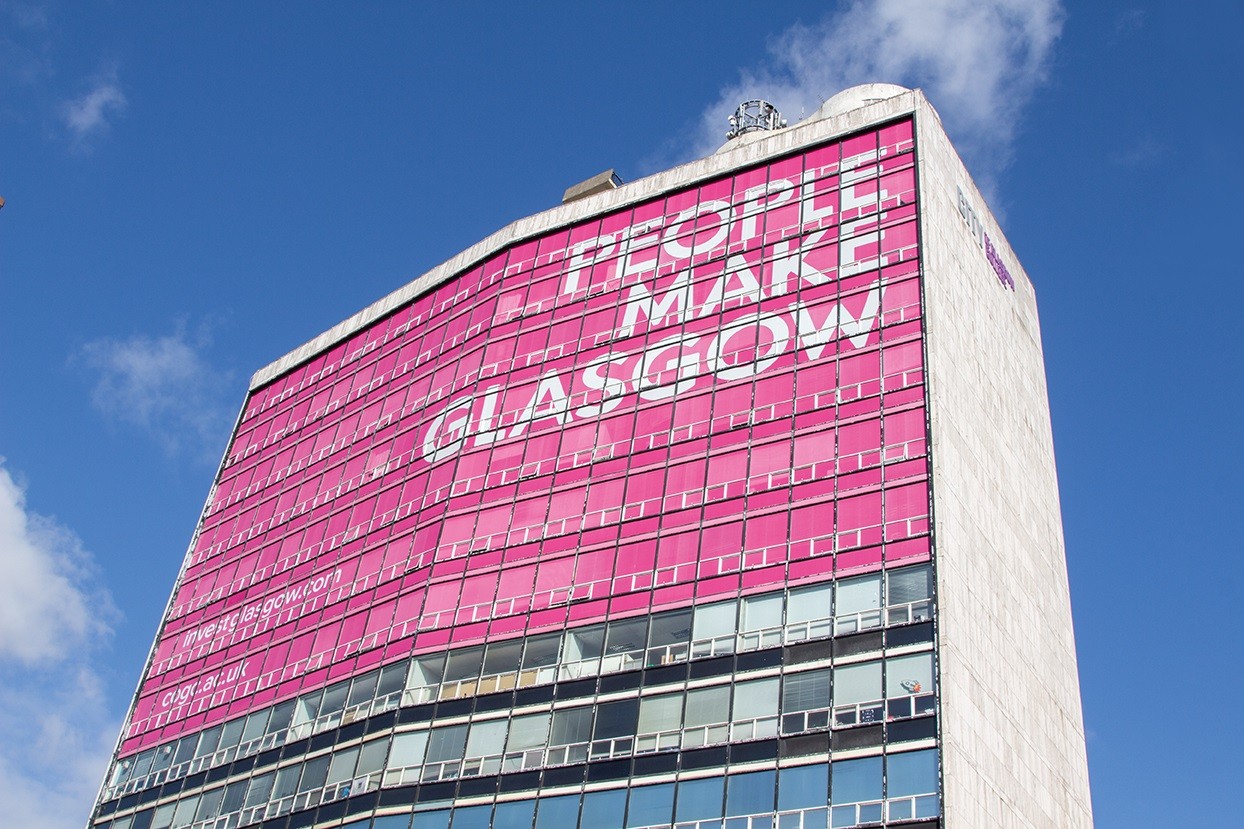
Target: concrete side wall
1012, 732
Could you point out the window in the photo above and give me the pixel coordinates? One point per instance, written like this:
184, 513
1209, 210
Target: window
749, 794
755, 712
342, 766
472, 817
425, 676
524, 748
462, 669
712, 629
332, 705
539, 660
557, 812
909, 685
857, 694
503, 658
624, 645
372, 757
615, 728
670, 637
406, 754
809, 611
855, 791
445, 747
281, 717
363, 689
569, 734
700, 799
660, 720
803, 787
438, 819
209, 804
909, 593
392, 680
484, 747
582, 652
514, 815
707, 717
858, 604
805, 701
314, 774
603, 810
761, 625
650, 805
235, 795
259, 791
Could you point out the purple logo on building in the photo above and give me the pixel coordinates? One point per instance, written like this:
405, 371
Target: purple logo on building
977, 227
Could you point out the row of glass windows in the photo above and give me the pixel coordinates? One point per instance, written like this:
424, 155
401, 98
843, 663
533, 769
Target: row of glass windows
868, 790
765, 620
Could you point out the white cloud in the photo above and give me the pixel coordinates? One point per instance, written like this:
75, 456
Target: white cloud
46, 608
978, 61
56, 733
93, 111
164, 385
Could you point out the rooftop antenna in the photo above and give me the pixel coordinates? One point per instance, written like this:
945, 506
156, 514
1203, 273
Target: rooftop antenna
755, 115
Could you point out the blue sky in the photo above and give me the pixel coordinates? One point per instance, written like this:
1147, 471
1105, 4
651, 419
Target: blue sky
192, 191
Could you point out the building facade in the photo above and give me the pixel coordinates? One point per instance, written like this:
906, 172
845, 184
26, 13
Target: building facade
725, 498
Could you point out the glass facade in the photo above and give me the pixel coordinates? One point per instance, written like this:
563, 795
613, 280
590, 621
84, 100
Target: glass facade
626, 525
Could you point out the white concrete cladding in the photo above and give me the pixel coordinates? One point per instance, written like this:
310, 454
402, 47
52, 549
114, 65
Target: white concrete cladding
1012, 734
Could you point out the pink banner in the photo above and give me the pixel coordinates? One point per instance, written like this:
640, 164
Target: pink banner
709, 393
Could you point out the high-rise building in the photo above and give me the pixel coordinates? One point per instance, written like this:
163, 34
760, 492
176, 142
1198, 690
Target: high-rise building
725, 498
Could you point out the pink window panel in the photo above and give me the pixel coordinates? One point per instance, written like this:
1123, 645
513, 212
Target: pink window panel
898, 188
770, 465
898, 243
721, 547
903, 365
896, 138
812, 530
859, 151
566, 510
859, 521
859, 445
814, 454
592, 570
774, 396
541, 451
554, 579
900, 302
821, 162
409, 606
732, 406
726, 472
859, 375
904, 434
765, 540
457, 532
816, 386
478, 594
686, 478
676, 556
634, 567
907, 511
643, 493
